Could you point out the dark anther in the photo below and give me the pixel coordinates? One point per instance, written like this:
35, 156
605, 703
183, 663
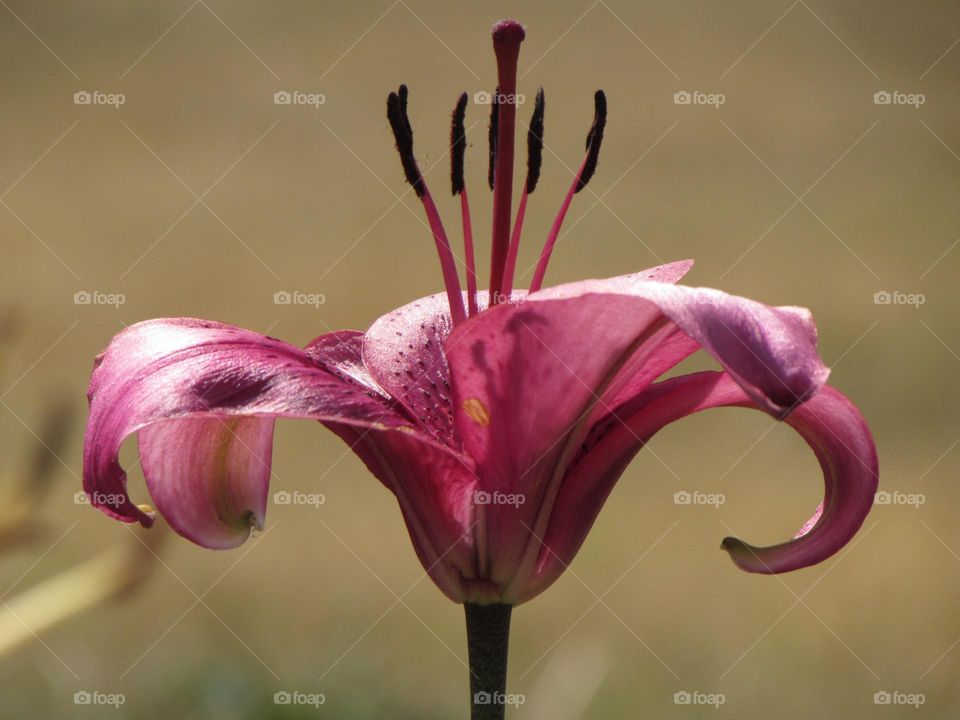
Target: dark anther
594, 138
403, 134
458, 145
535, 144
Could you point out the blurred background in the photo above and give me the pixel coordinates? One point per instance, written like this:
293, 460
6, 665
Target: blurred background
816, 163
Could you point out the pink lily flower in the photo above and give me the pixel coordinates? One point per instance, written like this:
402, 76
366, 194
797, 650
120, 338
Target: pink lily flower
499, 420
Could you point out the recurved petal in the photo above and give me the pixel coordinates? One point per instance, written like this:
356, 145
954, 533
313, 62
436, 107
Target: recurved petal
770, 351
830, 424
530, 378
175, 370
209, 476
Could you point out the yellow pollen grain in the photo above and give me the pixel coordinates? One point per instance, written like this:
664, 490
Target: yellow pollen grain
477, 412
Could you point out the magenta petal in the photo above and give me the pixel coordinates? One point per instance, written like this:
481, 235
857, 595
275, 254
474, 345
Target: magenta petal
770, 351
173, 369
340, 353
667, 273
209, 476
524, 376
404, 352
531, 378
828, 421
433, 485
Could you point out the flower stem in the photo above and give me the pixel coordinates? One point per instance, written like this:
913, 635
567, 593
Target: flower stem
488, 637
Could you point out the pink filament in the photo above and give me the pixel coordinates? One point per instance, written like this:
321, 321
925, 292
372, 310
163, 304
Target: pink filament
450, 278
468, 250
541, 270
511, 266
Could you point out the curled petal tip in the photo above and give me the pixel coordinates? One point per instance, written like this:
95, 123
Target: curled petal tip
744, 556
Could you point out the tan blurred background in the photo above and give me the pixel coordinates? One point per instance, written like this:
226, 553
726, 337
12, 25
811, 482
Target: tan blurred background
199, 196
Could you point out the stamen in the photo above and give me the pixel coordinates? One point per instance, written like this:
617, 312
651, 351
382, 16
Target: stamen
587, 168
403, 135
507, 36
458, 149
534, 161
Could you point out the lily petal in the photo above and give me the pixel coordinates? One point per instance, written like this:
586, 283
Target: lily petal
209, 476
828, 422
433, 485
171, 370
404, 352
572, 344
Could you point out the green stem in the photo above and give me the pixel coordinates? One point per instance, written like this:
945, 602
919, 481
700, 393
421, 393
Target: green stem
488, 637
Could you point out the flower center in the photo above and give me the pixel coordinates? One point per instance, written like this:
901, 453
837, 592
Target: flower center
507, 36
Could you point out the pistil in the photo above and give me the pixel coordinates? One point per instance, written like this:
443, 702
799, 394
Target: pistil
534, 162
507, 36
